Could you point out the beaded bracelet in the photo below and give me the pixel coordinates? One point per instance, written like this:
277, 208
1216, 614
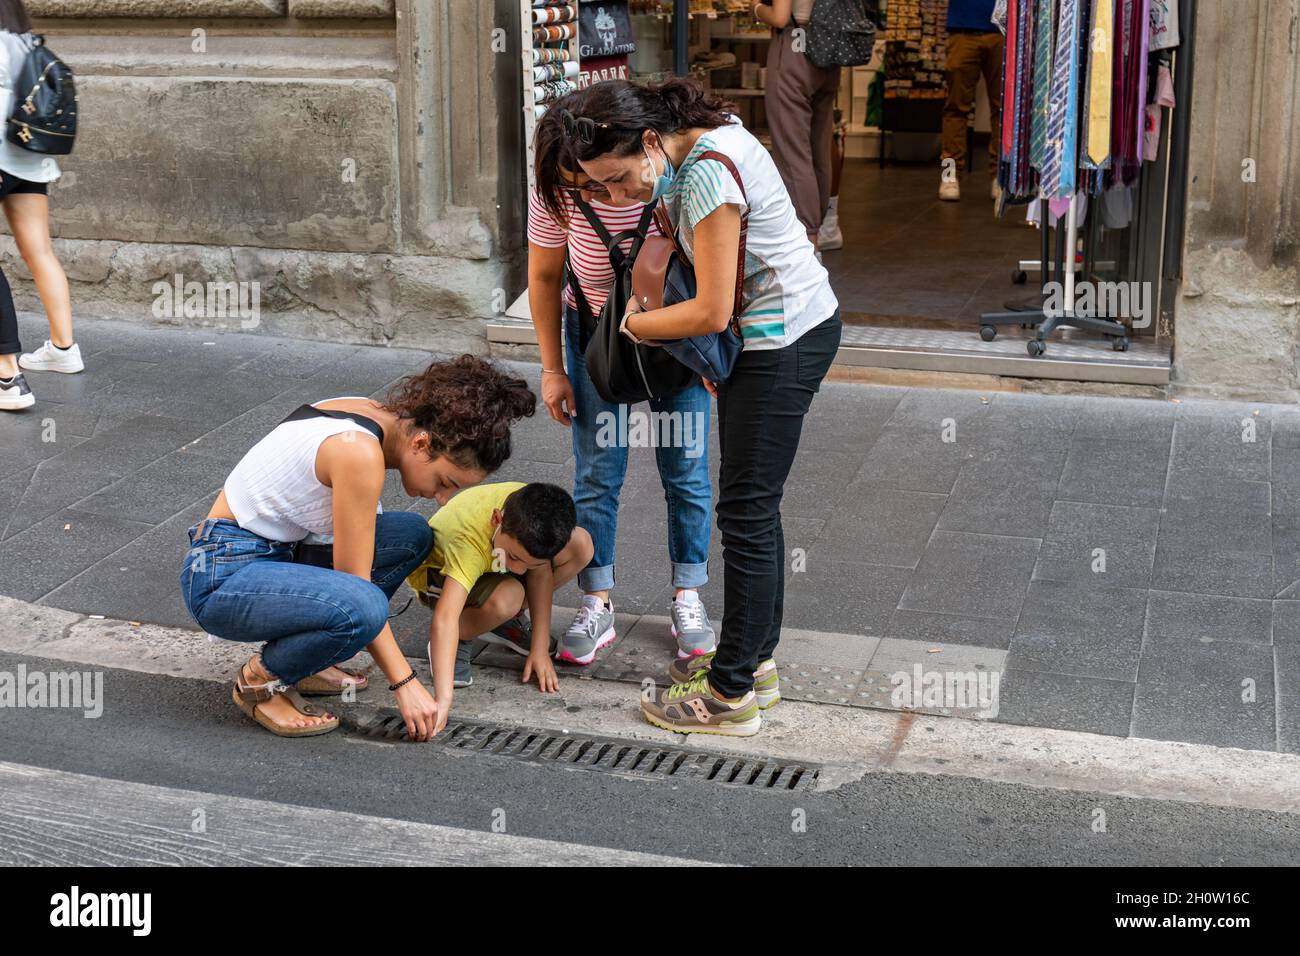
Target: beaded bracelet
405, 680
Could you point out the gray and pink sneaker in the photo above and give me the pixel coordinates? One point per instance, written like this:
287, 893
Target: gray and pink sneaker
592, 629
691, 627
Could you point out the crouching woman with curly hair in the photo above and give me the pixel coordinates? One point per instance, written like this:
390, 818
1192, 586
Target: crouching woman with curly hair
297, 552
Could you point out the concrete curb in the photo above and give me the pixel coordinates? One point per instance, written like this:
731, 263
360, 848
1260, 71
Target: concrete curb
850, 742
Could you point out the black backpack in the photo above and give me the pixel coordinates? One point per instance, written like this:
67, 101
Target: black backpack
44, 119
622, 371
840, 33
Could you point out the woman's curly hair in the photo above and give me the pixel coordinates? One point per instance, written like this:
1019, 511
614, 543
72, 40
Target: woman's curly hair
467, 406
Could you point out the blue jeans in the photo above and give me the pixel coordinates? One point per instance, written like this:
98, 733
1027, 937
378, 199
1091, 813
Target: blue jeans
241, 587
600, 441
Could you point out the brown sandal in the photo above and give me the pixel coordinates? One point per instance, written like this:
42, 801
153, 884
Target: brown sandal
249, 696
318, 686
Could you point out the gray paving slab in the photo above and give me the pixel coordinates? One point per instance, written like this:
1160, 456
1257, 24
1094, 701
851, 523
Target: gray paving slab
1219, 693
36, 561
1286, 556
1193, 492
1096, 545
811, 474
1223, 438
844, 596
1032, 416
1286, 481
928, 409
160, 489
1211, 532
1194, 564
1009, 498
94, 464
915, 457
12, 487
1209, 617
878, 524
1084, 632
1286, 623
848, 420
1288, 725
952, 628
1112, 472
1286, 659
1125, 419
1066, 702
933, 678
972, 575
139, 580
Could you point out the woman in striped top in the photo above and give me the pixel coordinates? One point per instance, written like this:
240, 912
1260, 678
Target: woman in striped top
558, 229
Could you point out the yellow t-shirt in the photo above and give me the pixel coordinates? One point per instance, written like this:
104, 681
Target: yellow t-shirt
462, 536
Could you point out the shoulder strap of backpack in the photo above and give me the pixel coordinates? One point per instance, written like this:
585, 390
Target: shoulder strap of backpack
592, 218
744, 230
586, 318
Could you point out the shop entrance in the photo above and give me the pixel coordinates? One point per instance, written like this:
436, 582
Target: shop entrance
914, 272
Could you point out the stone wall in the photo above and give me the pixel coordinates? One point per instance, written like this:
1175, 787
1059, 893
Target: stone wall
1236, 325
344, 155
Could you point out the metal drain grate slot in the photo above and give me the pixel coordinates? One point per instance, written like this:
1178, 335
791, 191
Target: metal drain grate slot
602, 755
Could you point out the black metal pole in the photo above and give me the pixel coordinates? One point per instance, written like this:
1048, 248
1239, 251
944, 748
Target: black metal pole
681, 36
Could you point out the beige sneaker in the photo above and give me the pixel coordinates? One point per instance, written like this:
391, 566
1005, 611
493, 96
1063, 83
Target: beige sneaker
767, 682
691, 708
950, 190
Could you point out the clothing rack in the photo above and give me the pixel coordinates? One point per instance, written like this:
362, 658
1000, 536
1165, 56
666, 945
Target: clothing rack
1064, 265
1049, 151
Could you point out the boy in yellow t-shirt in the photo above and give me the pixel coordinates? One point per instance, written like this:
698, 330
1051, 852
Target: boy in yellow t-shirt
498, 548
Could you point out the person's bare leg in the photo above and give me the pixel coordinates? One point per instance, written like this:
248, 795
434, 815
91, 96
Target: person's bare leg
505, 602
29, 221
8, 366
575, 556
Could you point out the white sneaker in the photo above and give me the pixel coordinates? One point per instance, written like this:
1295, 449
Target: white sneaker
829, 237
47, 358
16, 394
950, 190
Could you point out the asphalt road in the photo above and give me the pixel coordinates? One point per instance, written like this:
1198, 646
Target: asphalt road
186, 734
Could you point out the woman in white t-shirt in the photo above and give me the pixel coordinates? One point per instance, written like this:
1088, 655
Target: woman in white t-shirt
559, 230
650, 144
24, 195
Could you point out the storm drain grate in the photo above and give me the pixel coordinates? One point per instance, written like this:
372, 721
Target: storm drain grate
600, 754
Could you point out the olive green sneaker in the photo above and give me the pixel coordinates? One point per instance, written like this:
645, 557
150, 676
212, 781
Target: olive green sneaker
767, 683
691, 708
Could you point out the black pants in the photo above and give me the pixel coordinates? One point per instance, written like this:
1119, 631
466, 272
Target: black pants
9, 344
761, 409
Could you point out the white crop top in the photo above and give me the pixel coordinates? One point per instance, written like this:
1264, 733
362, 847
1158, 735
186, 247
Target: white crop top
274, 491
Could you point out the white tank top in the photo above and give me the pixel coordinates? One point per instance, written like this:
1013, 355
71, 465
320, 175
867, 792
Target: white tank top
274, 491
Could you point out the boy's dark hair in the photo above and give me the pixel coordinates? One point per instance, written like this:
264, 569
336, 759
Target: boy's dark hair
540, 517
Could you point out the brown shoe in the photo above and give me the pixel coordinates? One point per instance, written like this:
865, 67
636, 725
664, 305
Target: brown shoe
318, 685
250, 697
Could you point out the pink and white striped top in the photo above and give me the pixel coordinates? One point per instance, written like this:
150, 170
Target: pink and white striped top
587, 252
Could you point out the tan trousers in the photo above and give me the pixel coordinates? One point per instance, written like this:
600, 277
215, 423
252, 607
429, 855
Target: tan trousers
970, 56
800, 101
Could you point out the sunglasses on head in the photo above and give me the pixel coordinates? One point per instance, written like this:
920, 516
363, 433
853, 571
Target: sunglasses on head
583, 128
